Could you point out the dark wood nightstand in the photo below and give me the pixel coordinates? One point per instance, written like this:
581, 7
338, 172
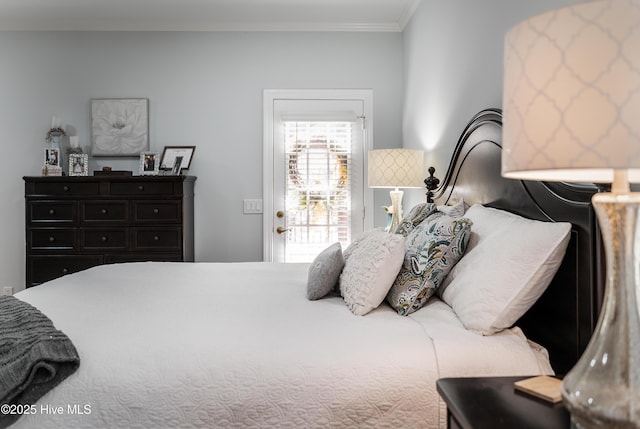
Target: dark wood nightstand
493, 403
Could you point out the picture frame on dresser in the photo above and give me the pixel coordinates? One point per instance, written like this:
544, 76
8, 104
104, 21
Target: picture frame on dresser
78, 164
176, 158
52, 156
149, 164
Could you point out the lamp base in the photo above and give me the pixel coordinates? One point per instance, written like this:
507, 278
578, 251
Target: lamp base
396, 204
603, 388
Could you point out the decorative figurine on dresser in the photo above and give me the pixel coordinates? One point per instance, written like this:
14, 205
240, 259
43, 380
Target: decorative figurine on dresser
73, 223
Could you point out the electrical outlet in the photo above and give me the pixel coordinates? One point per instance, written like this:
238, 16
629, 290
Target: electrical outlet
7, 290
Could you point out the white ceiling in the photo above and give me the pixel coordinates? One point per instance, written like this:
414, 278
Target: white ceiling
206, 15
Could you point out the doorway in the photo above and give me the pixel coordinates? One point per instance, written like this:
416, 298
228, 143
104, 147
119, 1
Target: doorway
315, 189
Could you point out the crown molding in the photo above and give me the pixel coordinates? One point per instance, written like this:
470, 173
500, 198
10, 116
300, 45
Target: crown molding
407, 13
212, 27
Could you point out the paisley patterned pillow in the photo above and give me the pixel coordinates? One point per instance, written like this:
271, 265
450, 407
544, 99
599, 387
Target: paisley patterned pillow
415, 216
456, 209
431, 250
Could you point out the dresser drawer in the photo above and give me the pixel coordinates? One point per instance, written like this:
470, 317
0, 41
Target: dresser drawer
141, 188
104, 211
51, 211
104, 239
64, 188
45, 268
51, 238
143, 257
157, 239
157, 211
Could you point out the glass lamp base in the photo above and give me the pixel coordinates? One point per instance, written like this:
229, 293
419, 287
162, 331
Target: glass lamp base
603, 388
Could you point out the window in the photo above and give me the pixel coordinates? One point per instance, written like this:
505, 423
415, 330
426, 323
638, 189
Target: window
318, 186
315, 192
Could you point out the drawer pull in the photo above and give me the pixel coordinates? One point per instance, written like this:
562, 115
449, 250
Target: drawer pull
156, 211
156, 238
104, 211
140, 188
66, 188
52, 212
65, 271
104, 238
52, 239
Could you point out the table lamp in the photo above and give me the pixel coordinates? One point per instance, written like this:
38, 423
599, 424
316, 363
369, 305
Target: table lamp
396, 168
571, 106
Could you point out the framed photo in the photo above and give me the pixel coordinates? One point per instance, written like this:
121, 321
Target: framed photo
119, 126
52, 156
176, 158
78, 164
51, 170
149, 163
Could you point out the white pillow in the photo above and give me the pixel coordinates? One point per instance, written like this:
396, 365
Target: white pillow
372, 264
508, 264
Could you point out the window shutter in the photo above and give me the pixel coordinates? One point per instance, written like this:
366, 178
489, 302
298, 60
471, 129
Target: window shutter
318, 188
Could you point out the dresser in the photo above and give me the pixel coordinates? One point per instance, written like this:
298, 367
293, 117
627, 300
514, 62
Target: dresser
73, 223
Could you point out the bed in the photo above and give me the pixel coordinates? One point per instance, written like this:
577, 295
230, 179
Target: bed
239, 345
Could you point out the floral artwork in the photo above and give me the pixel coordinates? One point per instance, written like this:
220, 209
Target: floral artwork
119, 127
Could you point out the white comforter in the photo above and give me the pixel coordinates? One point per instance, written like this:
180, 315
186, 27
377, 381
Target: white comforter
238, 346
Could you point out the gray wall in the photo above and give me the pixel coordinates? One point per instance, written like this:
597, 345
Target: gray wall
453, 69
205, 89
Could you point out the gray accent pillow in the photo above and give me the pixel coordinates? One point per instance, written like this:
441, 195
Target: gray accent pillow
324, 272
431, 250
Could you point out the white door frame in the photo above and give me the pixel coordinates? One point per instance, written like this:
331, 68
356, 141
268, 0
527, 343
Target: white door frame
269, 98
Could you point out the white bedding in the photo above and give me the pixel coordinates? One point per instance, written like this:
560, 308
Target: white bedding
238, 345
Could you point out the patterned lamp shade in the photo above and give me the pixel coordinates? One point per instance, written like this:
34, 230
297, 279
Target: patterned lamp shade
572, 94
572, 113
396, 168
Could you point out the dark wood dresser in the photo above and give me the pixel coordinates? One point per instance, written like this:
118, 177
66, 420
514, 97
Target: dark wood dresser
73, 223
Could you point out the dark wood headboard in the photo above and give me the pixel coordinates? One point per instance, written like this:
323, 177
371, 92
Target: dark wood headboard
564, 318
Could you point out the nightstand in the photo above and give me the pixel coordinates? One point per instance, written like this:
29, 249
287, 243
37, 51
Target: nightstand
493, 403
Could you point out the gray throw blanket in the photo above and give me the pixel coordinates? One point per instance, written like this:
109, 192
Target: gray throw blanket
34, 356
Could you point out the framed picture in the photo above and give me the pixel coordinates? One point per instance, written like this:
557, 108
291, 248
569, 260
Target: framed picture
51, 170
78, 164
52, 156
149, 163
176, 158
119, 126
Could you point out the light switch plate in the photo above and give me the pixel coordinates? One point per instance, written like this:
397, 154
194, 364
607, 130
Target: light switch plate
252, 206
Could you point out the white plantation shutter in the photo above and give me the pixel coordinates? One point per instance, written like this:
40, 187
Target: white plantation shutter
315, 190
319, 182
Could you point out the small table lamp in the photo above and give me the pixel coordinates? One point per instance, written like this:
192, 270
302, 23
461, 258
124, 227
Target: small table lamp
396, 168
572, 113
